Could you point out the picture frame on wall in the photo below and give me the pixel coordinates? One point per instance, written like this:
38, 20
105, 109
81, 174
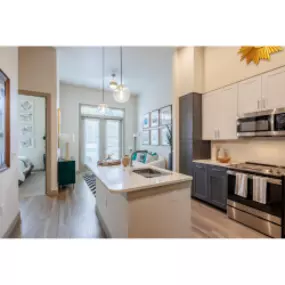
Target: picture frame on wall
154, 137
163, 136
154, 121
146, 121
145, 137
26, 106
165, 115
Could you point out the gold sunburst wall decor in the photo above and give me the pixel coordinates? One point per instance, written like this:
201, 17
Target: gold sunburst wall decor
255, 54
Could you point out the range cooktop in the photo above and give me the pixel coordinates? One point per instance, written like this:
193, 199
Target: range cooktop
259, 168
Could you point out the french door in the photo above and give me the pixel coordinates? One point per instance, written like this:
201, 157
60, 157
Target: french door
100, 137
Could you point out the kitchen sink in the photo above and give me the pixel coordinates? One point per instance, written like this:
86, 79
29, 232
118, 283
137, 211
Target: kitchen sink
149, 173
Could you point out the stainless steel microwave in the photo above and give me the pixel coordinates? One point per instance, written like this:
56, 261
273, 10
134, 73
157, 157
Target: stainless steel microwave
262, 124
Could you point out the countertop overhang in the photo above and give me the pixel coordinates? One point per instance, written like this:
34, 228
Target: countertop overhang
118, 179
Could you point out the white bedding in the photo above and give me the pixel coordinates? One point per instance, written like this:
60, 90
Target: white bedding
21, 169
24, 165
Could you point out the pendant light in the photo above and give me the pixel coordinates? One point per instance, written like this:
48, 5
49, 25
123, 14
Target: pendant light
103, 108
113, 83
122, 93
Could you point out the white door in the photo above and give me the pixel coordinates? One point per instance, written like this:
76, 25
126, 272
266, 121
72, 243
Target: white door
210, 109
226, 102
91, 143
100, 138
113, 138
273, 89
249, 96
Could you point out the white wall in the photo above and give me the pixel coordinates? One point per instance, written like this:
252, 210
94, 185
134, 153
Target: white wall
9, 204
35, 154
222, 66
70, 98
156, 94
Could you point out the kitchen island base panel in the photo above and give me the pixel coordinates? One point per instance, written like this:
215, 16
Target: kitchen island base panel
159, 212
162, 213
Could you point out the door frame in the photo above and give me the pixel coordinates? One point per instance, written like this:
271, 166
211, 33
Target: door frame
47, 97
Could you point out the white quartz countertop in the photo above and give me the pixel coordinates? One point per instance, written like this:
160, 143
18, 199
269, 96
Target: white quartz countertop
215, 162
117, 179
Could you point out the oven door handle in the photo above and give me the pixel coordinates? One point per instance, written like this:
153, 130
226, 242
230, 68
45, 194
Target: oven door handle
269, 180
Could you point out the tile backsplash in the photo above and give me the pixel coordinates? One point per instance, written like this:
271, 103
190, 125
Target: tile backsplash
265, 150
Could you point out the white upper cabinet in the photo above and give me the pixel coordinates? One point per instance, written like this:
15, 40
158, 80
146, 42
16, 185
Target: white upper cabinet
220, 114
249, 96
273, 89
209, 110
222, 107
227, 113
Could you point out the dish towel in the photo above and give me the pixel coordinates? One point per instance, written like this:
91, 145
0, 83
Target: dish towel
259, 193
241, 185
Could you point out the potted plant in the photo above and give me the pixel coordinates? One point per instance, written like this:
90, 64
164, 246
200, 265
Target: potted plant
169, 140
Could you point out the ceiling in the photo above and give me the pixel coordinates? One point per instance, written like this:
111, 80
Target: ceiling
141, 65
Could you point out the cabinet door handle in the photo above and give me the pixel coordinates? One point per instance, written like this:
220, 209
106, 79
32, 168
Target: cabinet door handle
217, 169
218, 133
258, 104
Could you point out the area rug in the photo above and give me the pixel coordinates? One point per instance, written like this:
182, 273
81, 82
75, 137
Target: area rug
90, 179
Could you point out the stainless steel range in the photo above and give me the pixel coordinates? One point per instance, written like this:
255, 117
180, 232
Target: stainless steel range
266, 217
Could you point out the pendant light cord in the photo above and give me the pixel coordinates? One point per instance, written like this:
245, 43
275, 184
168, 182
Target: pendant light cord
103, 71
121, 51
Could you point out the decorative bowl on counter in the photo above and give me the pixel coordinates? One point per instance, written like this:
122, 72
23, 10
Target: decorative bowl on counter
224, 159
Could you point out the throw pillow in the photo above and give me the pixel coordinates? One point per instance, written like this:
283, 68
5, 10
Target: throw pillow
141, 157
154, 156
134, 157
149, 158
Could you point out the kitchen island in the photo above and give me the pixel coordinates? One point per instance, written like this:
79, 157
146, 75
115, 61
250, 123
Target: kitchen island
142, 202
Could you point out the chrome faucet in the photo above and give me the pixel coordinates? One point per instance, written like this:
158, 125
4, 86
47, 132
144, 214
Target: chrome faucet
136, 151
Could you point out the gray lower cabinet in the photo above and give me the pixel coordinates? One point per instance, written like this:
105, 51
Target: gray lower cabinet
210, 184
217, 186
200, 181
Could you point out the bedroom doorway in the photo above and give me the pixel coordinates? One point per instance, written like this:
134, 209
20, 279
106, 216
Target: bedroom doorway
32, 116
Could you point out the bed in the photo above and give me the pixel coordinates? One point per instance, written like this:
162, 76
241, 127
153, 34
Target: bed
25, 167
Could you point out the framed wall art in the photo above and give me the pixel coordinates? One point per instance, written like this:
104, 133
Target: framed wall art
26, 106
164, 136
154, 118
145, 137
26, 118
4, 121
154, 137
26, 143
146, 120
166, 115
26, 130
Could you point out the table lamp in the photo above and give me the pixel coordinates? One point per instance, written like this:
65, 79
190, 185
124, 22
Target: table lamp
66, 139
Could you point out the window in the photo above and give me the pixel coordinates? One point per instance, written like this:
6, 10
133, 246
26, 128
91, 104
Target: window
4, 121
92, 111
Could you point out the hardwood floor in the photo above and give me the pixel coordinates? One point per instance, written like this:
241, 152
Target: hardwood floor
34, 185
72, 215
